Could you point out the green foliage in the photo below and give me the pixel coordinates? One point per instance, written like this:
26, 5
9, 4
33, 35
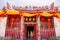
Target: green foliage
53, 38
7, 38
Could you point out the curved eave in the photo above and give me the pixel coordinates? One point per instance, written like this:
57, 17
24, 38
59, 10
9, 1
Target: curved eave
58, 15
1, 12
12, 12
46, 14
28, 15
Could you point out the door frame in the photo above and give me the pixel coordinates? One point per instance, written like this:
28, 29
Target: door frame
35, 31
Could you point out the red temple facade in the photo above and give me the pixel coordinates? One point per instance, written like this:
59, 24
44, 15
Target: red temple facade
27, 25
36, 24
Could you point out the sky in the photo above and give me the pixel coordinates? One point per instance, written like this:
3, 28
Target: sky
29, 2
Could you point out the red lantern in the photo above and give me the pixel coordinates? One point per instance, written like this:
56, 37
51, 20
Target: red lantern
42, 19
49, 23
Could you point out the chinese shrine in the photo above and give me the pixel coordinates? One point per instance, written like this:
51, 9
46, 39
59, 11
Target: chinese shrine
24, 25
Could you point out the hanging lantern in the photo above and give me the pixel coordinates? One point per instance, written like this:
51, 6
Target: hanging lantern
49, 19
33, 19
26, 19
49, 23
42, 19
29, 19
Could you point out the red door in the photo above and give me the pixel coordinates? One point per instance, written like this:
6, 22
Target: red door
34, 31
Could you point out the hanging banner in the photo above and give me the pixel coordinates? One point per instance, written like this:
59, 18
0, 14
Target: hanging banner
57, 26
2, 26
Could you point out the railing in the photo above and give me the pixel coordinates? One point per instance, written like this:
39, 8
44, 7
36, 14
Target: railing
16, 33
13, 33
47, 33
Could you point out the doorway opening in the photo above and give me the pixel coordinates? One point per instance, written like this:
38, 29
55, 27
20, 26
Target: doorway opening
30, 32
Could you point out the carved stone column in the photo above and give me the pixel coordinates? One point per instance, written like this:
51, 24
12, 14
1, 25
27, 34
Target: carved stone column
22, 27
38, 28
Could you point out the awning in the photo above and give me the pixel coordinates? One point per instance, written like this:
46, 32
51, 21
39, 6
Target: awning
28, 14
58, 15
12, 12
1, 12
46, 14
